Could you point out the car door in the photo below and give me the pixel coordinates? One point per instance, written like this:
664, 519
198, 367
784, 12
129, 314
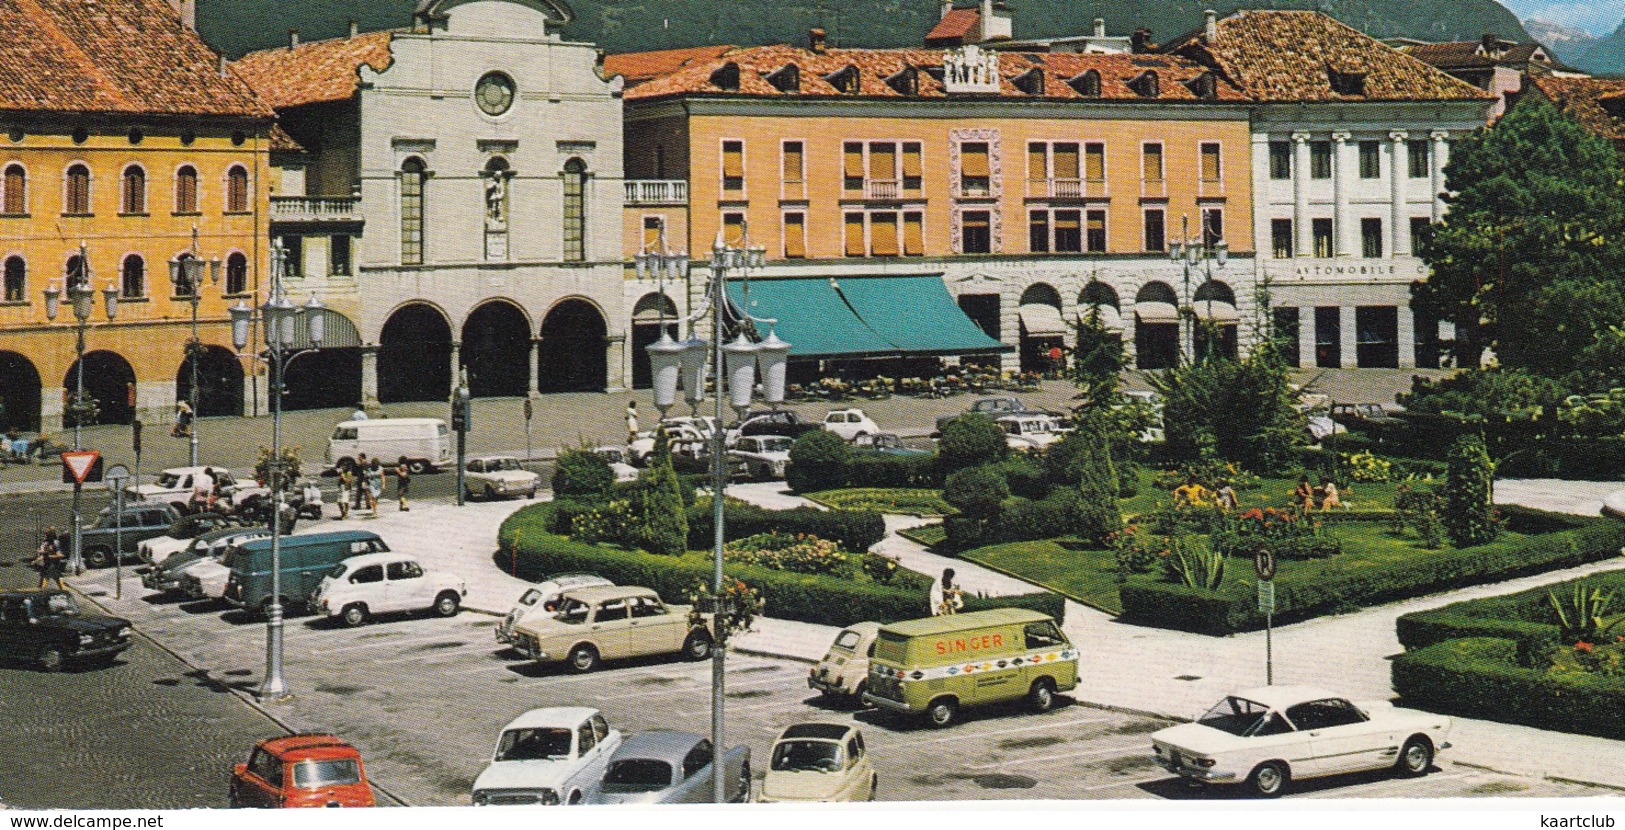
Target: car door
261, 783
14, 640
367, 585
658, 630
696, 785
860, 773
406, 586
590, 770
1340, 737
588, 753
611, 630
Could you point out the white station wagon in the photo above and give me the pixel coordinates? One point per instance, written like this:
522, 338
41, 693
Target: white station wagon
1266, 737
499, 475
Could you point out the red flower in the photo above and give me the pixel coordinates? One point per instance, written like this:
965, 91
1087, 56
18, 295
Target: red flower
1584, 647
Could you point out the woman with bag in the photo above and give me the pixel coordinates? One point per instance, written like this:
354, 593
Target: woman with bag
49, 560
375, 485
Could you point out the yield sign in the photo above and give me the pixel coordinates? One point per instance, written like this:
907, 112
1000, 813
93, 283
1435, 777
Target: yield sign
79, 463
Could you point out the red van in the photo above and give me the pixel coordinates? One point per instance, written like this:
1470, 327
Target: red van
301, 771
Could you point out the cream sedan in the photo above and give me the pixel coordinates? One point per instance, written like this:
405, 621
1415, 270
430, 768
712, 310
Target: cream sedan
610, 623
498, 476
820, 762
1266, 737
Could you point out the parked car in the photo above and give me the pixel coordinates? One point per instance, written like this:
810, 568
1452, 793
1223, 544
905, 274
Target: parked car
301, 771
360, 587
180, 535
174, 486
607, 623
844, 670
619, 461
305, 560
820, 762
251, 501
168, 575
548, 756
663, 767
1355, 415
1268, 736
850, 423
543, 600
124, 531
499, 475
1320, 427
425, 443
785, 422
1031, 432
885, 442
763, 457
991, 407
47, 628
684, 439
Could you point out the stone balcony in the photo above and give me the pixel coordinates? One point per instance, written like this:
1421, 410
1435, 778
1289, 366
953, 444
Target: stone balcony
316, 209
656, 192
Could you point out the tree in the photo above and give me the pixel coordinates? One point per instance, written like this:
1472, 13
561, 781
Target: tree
582, 473
1525, 261
970, 440
1098, 514
1097, 364
1241, 408
663, 522
818, 461
1468, 515
976, 492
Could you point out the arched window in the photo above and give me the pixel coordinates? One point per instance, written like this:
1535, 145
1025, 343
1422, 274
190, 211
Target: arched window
413, 177
74, 271
14, 196
237, 190
133, 282
575, 210
236, 273
76, 200
186, 189
16, 279
134, 198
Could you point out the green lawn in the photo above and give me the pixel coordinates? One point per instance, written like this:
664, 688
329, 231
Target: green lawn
914, 501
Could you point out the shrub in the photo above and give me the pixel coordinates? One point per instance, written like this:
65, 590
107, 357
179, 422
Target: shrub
663, 523
879, 469
581, 473
785, 552
880, 567
976, 492
854, 530
1190, 562
1242, 410
970, 440
1024, 475
1098, 489
817, 462
1467, 514
1287, 534
1135, 554
613, 520
1480, 677
1366, 467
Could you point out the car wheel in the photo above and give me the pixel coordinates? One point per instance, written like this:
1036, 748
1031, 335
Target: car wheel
857, 694
1041, 698
583, 659
354, 614
763, 473
447, 604
744, 783
942, 712
575, 798
697, 646
874, 786
1269, 779
418, 467
531, 493
468, 495
51, 660
1415, 758
490, 493
98, 557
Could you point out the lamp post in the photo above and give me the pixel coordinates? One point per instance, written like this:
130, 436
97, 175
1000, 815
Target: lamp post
83, 299
1192, 252
733, 363
277, 318
187, 275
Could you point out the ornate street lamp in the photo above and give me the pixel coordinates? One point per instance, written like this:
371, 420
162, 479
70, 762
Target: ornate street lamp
1192, 252
187, 275
734, 363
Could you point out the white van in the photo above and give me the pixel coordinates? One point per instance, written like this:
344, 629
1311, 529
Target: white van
424, 442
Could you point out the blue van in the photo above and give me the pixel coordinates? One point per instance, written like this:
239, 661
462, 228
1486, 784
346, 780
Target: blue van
305, 560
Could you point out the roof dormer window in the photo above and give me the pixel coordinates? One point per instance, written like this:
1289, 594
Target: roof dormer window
786, 78
845, 79
1204, 86
906, 81
1086, 84
1346, 83
1147, 85
726, 77
1030, 82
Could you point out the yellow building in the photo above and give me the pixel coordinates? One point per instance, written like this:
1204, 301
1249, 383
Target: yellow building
1034, 186
136, 152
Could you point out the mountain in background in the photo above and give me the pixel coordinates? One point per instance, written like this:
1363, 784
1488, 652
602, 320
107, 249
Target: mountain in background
1606, 56
237, 26
1566, 42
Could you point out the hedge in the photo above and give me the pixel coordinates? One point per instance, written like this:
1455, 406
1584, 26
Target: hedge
533, 552
1523, 616
1020, 520
879, 469
855, 530
1479, 677
1235, 609
1582, 459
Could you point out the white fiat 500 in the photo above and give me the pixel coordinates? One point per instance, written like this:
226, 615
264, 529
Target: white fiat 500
1266, 737
378, 583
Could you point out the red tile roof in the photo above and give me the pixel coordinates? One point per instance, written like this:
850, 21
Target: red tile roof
638, 67
1597, 103
1291, 56
1470, 54
954, 27
281, 142
875, 66
112, 56
317, 72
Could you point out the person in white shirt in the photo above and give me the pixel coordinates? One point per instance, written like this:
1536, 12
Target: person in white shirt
202, 490
360, 413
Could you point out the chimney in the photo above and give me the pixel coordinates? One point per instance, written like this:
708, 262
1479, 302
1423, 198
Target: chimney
1100, 27
355, 29
1489, 41
815, 41
221, 58
187, 10
1140, 41
1210, 31
947, 6
293, 38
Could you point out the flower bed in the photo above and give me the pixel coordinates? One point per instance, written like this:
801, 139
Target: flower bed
913, 501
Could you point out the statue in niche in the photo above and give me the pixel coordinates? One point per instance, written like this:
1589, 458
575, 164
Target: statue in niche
496, 204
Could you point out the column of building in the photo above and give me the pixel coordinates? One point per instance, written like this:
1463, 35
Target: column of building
1342, 183
1302, 230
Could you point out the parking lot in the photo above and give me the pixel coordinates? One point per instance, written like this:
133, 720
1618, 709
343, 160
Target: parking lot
424, 699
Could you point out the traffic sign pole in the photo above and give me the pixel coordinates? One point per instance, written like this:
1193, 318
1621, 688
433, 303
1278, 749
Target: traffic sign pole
116, 476
1264, 567
528, 413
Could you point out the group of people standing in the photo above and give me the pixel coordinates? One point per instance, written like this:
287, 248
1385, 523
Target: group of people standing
361, 484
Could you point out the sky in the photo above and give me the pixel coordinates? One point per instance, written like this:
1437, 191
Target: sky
1599, 17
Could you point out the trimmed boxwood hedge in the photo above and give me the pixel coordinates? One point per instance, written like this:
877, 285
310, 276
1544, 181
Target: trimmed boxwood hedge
531, 551
1524, 616
1216, 612
1479, 677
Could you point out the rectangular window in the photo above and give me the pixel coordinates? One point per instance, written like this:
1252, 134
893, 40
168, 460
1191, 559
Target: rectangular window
1370, 160
653, 228
338, 259
1066, 160
1371, 238
1210, 162
1095, 231
794, 166
1420, 159
1151, 162
913, 166
1037, 162
1156, 238
854, 235
1094, 162
852, 165
1285, 320
883, 162
295, 262
1281, 238
1376, 337
883, 234
1212, 226
1320, 159
1038, 232
733, 228
733, 165
975, 173
1328, 337
1321, 230
1068, 232
913, 234
1280, 160
1421, 231
795, 236
977, 230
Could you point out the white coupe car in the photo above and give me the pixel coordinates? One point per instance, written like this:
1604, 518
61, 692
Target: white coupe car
619, 462
548, 756
1031, 432
1266, 737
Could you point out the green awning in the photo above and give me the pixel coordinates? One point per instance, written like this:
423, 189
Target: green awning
866, 316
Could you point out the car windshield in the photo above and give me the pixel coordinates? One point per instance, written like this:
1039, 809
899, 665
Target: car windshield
776, 444
534, 744
168, 481
502, 464
313, 774
530, 597
574, 611
61, 604
802, 756
637, 775
337, 570
1236, 715
848, 640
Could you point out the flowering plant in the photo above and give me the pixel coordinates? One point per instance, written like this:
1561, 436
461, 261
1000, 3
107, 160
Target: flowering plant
1135, 554
1364, 466
740, 603
798, 553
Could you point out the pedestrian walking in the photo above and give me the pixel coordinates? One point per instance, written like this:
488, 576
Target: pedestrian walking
183, 419
346, 488
203, 490
631, 422
360, 494
375, 485
49, 560
403, 481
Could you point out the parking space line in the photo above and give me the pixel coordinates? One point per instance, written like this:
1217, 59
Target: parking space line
1033, 728
1060, 756
383, 643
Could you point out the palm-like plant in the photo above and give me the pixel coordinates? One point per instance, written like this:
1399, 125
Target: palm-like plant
1581, 614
